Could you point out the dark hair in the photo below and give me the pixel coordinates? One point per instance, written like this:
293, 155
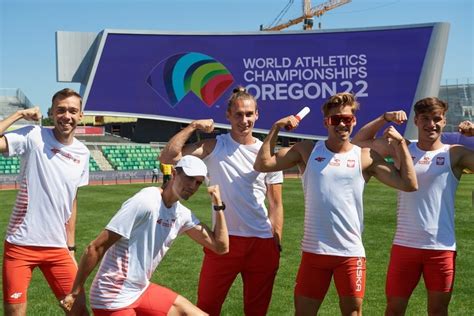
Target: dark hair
240, 93
66, 93
338, 100
430, 104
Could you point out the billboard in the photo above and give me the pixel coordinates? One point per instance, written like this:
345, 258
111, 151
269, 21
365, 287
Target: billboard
181, 77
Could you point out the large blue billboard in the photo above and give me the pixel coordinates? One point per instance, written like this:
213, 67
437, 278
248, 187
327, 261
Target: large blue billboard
181, 77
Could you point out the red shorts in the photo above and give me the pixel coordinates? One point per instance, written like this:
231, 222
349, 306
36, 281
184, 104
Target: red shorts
255, 259
56, 264
407, 264
156, 300
315, 272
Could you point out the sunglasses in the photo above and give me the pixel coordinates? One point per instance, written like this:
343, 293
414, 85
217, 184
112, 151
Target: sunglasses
335, 120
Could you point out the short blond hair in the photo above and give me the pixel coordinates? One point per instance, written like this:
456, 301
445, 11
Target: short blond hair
340, 100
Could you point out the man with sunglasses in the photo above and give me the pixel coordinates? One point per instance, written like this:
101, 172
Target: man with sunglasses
334, 173
425, 241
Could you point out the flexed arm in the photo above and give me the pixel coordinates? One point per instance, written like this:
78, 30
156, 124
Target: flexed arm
31, 114
176, 147
267, 160
403, 177
218, 239
365, 137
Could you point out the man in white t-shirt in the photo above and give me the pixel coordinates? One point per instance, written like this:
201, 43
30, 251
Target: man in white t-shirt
41, 231
255, 232
136, 240
425, 241
334, 173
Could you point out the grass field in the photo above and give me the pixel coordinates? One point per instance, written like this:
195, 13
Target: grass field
180, 268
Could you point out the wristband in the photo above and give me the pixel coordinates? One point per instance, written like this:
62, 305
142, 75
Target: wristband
219, 207
71, 248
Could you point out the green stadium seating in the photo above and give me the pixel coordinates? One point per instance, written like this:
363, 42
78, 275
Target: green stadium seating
123, 157
9, 165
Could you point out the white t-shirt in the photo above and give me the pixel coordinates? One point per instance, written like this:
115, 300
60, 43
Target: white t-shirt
230, 165
50, 175
333, 186
148, 228
426, 217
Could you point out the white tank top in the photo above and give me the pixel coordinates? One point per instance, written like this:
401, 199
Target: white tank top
333, 187
425, 218
243, 189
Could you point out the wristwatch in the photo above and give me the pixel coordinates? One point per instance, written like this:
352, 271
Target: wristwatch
71, 248
219, 207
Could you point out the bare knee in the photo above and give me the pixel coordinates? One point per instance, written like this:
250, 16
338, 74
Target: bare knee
306, 306
396, 306
183, 306
15, 309
438, 303
351, 305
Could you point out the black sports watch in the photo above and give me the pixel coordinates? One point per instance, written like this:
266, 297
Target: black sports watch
219, 207
71, 248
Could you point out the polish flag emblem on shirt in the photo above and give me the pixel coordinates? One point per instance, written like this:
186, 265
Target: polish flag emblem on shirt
351, 163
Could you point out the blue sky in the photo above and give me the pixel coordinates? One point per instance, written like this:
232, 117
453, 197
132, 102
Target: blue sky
27, 28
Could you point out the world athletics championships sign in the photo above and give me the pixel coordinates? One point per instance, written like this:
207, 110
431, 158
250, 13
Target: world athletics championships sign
182, 77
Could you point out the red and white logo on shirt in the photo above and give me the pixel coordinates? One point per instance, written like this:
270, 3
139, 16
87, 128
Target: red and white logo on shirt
335, 162
424, 161
166, 222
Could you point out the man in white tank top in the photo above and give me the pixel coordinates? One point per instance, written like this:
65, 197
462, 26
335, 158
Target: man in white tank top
41, 231
334, 173
254, 231
424, 242
137, 238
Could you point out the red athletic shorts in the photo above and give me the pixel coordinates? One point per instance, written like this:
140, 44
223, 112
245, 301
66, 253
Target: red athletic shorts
407, 264
315, 272
156, 300
257, 261
19, 261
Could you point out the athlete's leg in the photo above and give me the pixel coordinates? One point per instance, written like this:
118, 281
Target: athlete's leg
405, 264
258, 275
312, 283
438, 273
351, 306
17, 268
349, 278
306, 306
438, 303
60, 271
182, 306
218, 272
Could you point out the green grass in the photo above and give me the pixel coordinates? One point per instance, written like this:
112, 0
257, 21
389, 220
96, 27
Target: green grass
180, 268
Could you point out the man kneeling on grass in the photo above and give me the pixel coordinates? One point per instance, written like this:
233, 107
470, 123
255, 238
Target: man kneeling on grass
137, 238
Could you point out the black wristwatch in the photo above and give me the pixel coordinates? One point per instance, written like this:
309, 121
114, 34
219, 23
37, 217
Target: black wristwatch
71, 248
219, 207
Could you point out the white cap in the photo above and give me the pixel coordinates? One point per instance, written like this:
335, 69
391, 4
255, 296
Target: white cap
192, 166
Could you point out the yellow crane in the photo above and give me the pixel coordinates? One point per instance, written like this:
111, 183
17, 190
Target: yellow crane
308, 14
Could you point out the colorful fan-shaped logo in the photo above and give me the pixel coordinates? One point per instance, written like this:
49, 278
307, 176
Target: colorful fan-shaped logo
193, 72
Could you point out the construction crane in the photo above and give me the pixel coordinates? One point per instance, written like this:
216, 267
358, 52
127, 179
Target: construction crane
308, 14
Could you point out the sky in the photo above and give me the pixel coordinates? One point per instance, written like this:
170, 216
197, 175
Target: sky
27, 28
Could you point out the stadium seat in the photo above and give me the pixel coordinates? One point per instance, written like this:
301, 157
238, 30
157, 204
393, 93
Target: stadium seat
130, 157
